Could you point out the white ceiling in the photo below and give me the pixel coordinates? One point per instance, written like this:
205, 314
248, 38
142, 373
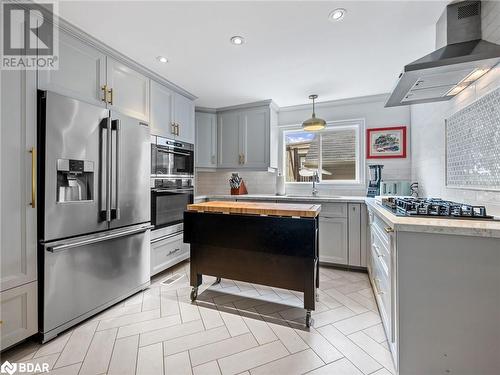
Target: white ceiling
291, 49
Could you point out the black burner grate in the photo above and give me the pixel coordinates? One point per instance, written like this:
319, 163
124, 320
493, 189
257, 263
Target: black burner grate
406, 206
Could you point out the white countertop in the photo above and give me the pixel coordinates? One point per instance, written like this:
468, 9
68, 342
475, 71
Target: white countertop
292, 198
478, 228
461, 227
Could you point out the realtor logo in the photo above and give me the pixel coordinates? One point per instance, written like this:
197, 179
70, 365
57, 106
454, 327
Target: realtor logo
29, 36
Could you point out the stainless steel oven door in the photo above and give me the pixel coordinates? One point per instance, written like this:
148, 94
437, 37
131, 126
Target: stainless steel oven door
170, 162
168, 206
172, 159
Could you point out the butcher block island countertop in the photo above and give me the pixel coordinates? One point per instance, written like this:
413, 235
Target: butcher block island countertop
258, 208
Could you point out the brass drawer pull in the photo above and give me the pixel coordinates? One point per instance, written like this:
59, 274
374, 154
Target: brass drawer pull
174, 251
377, 286
377, 251
388, 230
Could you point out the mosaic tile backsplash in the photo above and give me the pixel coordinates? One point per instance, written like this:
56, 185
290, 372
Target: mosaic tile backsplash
473, 145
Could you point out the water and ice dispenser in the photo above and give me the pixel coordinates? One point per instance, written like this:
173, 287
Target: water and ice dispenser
75, 180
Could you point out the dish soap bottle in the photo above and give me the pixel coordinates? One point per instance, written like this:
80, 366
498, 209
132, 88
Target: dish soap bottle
280, 184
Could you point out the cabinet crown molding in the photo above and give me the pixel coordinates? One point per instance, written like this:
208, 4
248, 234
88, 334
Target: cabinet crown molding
78, 33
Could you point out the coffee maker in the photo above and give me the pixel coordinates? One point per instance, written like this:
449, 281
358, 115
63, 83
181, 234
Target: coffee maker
375, 178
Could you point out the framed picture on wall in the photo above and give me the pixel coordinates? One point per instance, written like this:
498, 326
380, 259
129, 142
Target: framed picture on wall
383, 143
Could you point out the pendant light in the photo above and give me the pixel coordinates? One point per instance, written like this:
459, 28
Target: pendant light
314, 123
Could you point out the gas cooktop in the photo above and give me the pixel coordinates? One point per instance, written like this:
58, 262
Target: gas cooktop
434, 207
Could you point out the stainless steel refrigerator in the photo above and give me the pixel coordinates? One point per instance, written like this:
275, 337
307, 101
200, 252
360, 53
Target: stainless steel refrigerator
94, 220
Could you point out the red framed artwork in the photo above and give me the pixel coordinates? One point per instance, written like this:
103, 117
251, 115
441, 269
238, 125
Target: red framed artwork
385, 143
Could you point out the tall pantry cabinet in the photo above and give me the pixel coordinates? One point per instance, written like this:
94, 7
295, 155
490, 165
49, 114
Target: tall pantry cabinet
18, 202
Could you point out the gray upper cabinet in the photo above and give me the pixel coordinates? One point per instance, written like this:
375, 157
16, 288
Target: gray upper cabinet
206, 140
254, 138
184, 118
129, 90
162, 110
228, 140
81, 73
244, 138
172, 114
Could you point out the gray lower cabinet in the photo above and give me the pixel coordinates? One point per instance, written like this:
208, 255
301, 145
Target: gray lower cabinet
333, 240
18, 250
206, 140
342, 230
167, 251
438, 296
81, 73
19, 308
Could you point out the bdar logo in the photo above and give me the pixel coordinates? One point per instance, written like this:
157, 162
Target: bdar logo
8, 368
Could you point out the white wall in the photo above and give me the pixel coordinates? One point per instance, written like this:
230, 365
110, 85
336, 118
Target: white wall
371, 109
428, 130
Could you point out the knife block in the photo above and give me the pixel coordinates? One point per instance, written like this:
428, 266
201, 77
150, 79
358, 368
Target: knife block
241, 190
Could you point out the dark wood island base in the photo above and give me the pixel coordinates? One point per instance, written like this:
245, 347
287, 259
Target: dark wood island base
244, 242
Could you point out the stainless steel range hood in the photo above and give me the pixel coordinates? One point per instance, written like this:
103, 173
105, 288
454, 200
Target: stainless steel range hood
461, 58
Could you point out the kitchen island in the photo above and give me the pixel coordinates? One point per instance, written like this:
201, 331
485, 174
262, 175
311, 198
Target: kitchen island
273, 244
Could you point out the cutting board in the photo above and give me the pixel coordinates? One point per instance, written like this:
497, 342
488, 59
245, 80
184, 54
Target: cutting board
258, 208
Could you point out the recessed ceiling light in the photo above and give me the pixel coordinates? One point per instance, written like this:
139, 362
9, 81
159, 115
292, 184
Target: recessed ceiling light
162, 59
237, 40
337, 14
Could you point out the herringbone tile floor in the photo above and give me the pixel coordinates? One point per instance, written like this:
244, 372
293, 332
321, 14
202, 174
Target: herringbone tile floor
233, 328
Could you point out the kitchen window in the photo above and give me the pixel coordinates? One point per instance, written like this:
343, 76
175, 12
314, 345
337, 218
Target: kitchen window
334, 152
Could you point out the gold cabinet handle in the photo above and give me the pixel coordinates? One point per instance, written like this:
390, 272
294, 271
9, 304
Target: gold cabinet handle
388, 230
242, 158
377, 286
176, 129
104, 90
377, 251
110, 96
33, 177
172, 128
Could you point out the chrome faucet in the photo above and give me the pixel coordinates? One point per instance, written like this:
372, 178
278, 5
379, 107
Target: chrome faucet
315, 180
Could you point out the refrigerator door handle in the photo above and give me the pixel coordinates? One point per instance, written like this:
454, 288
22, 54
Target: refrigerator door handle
87, 240
115, 125
106, 125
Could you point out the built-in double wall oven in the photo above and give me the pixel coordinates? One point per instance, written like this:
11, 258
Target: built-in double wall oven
172, 174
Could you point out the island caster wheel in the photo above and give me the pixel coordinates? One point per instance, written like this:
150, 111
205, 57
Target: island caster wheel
194, 294
218, 280
309, 320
